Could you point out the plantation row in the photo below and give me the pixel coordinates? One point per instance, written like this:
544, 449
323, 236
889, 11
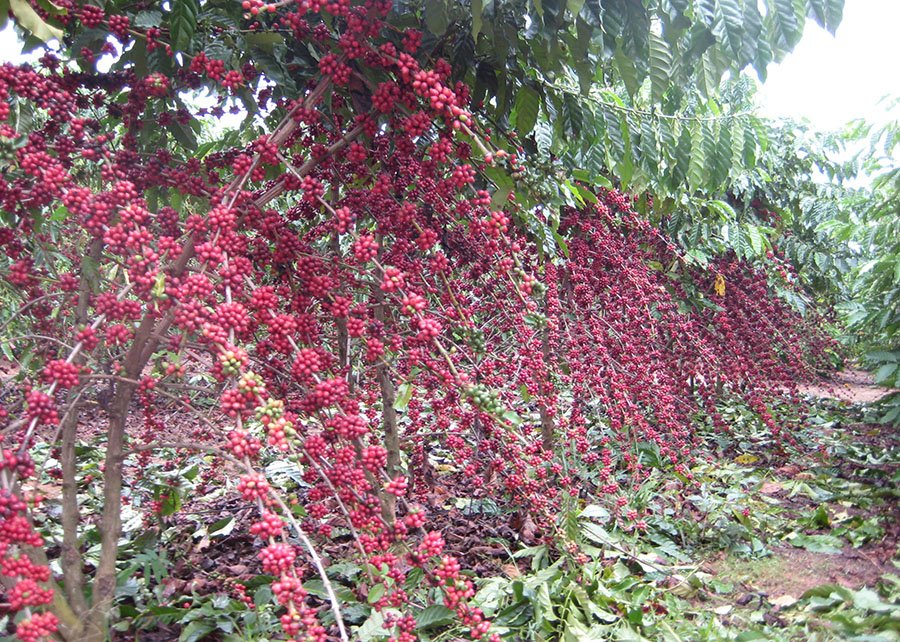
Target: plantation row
359, 281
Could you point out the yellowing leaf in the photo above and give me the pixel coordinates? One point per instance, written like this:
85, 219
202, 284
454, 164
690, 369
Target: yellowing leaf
719, 285
746, 458
29, 19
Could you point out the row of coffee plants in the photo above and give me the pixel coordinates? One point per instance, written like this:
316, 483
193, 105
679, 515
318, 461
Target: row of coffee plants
352, 296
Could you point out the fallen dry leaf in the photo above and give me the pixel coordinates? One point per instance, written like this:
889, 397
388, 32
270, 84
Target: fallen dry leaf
783, 601
771, 488
789, 471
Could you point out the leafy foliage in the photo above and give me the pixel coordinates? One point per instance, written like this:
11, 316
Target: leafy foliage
870, 221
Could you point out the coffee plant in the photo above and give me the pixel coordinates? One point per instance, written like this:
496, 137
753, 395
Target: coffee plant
361, 274
867, 219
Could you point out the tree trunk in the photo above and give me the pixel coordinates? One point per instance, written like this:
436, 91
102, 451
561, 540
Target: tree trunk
391, 438
388, 419
547, 425
71, 558
145, 343
104, 585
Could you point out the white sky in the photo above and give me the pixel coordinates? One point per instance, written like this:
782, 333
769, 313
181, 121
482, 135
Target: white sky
831, 80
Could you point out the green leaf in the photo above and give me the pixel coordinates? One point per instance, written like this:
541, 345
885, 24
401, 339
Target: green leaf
820, 517
477, 11
223, 527
372, 629
527, 105
698, 257
724, 152
716, 158
660, 67
596, 533
731, 21
707, 75
786, 27
545, 603
376, 593
594, 157
574, 6
619, 148
757, 240
705, 11
576, 630
436, 18
682, 158
434, 615
584, 32
28, 19
586, 194
184, 134
737, 144
735, 239
836, 591
513, 417
183, 23
148, 18
753, 32
885, 372
575, 192
625, 163
698, 172
882, 355
502, 181
818, 12
172, 502
723, 209
627, 71
828, 544
265, 40
404, 394
826, 13
752, 141
764, 56
543, 137
572, 116
196, 630
834, 12
594, 511
649, 147
868, 600
666, 133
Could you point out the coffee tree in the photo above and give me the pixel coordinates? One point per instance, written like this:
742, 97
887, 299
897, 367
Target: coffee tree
367, 269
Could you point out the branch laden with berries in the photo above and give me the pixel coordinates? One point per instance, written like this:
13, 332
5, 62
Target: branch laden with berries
344, 275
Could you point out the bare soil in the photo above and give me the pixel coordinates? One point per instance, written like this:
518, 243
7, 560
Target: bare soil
851, 385
790, 571
794, 571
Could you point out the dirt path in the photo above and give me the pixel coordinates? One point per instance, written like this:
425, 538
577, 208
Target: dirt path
852, 386
856, 492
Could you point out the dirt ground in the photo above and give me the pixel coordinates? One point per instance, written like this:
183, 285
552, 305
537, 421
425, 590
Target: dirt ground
851, 385
790, 571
